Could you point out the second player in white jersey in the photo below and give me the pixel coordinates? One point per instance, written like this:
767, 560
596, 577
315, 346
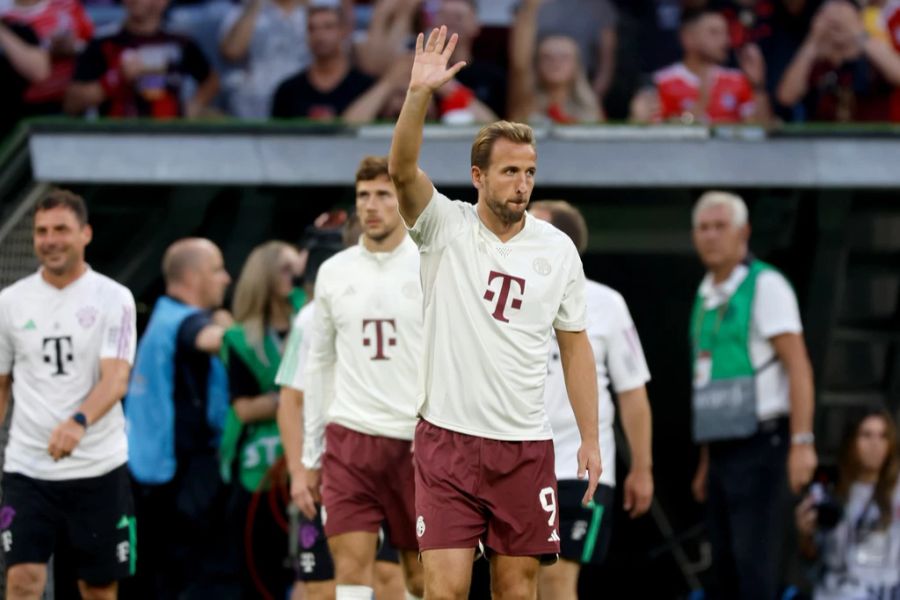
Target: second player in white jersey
620, 361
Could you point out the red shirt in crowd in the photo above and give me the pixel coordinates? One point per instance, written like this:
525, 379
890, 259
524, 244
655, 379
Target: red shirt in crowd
50, 19
892, 24
730, 96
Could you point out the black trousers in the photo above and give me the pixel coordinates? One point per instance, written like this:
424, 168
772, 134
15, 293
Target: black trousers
747, 501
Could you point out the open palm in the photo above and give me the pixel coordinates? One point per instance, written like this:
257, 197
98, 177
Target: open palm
430, 67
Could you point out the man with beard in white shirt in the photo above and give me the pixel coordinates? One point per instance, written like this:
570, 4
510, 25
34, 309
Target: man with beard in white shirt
67, 341
585, 531
496, 282
359, 398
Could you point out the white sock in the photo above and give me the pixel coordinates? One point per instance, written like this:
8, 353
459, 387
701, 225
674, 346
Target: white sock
354, 592
411, 597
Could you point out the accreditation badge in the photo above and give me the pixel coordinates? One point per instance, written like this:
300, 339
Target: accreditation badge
702, 369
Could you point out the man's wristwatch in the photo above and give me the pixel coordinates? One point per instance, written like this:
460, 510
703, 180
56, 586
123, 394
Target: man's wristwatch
80, 419
799, 439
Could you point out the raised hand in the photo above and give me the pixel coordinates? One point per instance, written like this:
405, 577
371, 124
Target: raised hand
429, 71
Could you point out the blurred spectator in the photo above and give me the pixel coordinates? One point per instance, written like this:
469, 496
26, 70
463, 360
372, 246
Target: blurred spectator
140, 70
592, 24
175, 411
889, 19
331, 85
268, 39
856, 535
841, 73
554, 88
391, 33
63, 28
22, 61
485, 80
265, 301
700, 89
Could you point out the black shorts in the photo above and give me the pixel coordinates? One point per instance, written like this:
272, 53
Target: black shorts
93, 518
313, 560
584, 532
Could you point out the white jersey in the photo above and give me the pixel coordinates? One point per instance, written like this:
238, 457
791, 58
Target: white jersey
293, 364
490, 308
619, 358
52, 341
775, 312
365, 346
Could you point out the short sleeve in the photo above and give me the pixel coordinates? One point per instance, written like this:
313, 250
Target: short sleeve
293, 365
625, 356
91, 64
120, 328
775, 309
7, 348
439, 223
746, 100
572, 312
84, 27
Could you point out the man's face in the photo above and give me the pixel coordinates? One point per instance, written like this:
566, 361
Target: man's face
459, 17
60, 240
717, 240
326, 34
377, 207
708, 39
507, 183
142, 10
211, 278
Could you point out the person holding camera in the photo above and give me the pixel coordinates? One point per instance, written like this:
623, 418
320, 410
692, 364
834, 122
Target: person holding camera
856, 535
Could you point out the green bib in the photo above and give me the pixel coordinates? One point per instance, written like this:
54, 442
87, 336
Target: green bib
256, 446
724, 398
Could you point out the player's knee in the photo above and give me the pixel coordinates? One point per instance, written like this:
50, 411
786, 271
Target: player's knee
555, 583
415, 584
98, 592
520, 584
352, 570
25, 581
442, 587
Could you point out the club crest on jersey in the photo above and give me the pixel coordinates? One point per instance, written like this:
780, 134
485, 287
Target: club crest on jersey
542, 266
87, 316
420, 526
505, 295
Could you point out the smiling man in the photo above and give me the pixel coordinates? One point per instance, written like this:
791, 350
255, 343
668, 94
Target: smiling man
497, 281
359, 397
67, 338
752, 401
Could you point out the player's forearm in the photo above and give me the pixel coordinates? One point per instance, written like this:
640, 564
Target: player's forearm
316, 396
290, 426
4, 396
581, 383
107, 393
406, 145
637, 421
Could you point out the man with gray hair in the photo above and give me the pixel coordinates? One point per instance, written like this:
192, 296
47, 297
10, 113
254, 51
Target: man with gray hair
752, 400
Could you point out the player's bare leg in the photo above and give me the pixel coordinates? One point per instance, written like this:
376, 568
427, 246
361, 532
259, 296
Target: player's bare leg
559, 581
389, 583
353, 555
26, 581
109, 591
448, 573
514, 577
413, 573
313, 590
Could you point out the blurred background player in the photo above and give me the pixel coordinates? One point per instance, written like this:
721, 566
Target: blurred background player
359, 400
175, 410
585, 531
497, 282
67, 336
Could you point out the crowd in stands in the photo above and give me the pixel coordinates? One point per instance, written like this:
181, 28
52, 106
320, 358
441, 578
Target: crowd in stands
562, 61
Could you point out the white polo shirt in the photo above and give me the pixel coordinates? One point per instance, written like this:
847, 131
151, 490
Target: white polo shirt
775, 312
52, 341
293, 364
365, 346
490, 308
619, 359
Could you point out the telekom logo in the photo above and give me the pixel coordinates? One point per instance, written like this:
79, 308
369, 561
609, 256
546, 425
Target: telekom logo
505, 286
381, 336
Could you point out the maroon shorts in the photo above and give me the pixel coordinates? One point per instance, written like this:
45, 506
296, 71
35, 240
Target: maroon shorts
471, 488
368, 480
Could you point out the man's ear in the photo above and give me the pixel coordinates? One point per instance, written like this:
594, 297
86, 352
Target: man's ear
476, 177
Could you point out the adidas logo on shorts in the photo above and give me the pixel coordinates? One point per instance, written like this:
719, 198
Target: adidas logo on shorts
554, 537
420, 526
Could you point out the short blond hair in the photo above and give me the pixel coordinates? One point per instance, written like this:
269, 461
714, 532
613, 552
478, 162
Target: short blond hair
733, 202
567, 219
518, 133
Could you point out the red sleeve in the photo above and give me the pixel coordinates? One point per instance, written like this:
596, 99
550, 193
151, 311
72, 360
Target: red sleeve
84, 28
669, 102
891, 16
745, 91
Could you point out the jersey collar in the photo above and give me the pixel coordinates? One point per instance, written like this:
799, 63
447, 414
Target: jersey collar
717, 294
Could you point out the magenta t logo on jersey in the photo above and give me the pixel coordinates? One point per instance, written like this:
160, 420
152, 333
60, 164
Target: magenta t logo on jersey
382, 337
506, 282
